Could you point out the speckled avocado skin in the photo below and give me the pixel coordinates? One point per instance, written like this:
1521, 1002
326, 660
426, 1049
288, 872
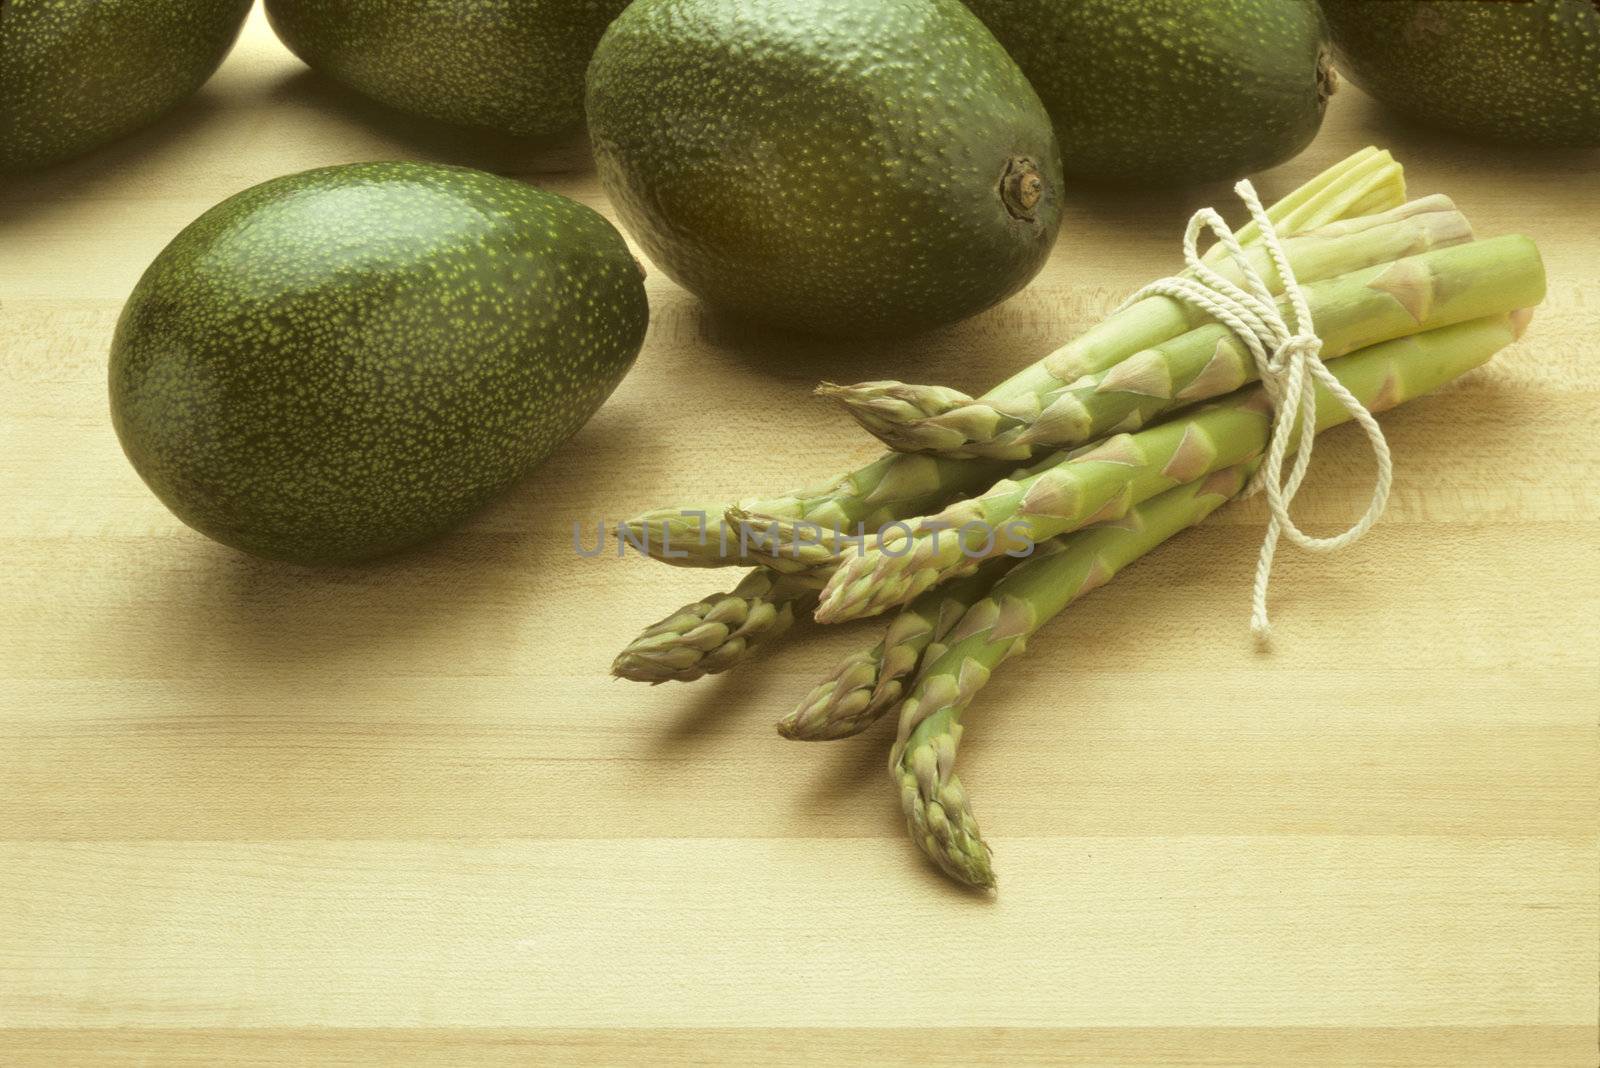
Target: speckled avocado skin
337, 364
1171, 92
513, 66
76, 74
1525, 72
828, 166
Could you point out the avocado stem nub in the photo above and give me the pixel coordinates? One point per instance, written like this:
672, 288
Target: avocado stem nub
1327, 77
1021, 187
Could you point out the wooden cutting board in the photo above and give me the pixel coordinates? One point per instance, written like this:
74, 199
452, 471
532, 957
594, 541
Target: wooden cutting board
253, 814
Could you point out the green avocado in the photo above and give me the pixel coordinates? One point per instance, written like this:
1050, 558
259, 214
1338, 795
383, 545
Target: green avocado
337, 364
76, 74
835, 167
513, 66
1524, 72
1171, 92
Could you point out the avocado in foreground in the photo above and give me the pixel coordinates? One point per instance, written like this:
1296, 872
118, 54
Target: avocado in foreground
512, 66
1525, 72
78, 74
337, 364
1171, 92
835, 167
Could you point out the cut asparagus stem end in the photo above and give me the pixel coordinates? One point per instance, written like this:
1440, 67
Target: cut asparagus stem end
1520, 319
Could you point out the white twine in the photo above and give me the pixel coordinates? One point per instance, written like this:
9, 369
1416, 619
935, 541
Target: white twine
1290, 365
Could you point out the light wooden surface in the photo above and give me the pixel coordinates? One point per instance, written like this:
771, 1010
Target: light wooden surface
258, 815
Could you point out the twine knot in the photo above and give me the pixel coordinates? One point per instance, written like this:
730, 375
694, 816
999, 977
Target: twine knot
1289, 362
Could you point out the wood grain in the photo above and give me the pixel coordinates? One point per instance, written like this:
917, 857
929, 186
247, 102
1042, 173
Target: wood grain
260, 815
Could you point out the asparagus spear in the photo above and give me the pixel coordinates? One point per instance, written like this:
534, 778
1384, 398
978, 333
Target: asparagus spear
1188, 368
713, 634
895, 486
1103, 482
870, 681
937, 811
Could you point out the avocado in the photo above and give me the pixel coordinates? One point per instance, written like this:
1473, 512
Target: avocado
1171, 92
76, 74
835, 167
337, 364
1525, 72
512, 66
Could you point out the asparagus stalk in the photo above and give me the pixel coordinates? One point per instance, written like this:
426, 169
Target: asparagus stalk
870, 681
896, 486
713, 634
1104, 482
938, 813
1183, 370
937, 810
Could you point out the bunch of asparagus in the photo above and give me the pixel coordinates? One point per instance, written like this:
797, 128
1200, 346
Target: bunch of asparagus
992, 514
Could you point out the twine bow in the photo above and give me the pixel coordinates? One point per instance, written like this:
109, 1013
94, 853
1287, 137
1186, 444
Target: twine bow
1290, 365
